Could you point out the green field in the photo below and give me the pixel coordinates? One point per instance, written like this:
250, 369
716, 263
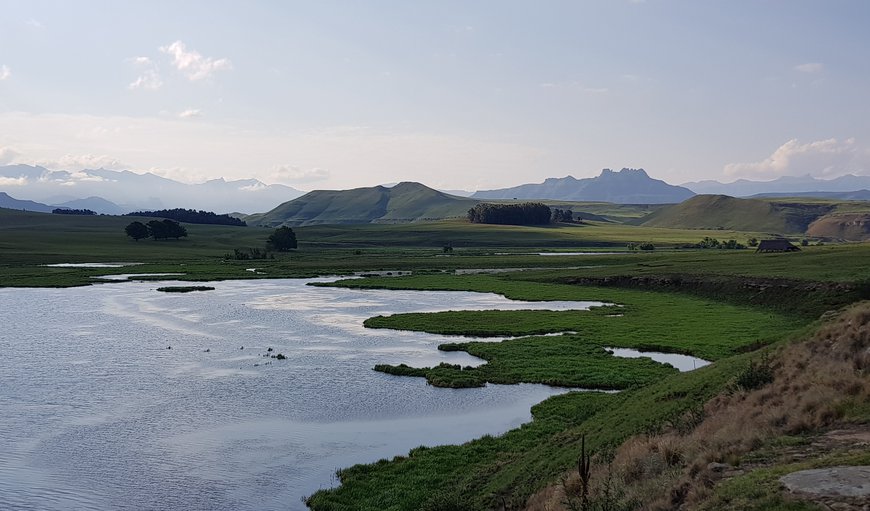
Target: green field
29, 240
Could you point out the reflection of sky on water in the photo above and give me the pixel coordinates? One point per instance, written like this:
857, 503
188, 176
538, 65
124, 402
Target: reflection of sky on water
119, 397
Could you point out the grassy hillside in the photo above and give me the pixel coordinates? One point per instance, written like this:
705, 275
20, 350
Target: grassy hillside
405, 202
722, 211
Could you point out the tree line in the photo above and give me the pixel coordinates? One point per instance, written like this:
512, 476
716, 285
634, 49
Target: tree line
191, 216
526, 213
157, 229
68, 211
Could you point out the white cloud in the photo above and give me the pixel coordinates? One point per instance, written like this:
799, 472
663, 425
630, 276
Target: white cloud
290, 174
78, 162
32, 23
190, 113
192, 63
13, 181
149, 75
7, 155
810, 67
5, 72
829, 158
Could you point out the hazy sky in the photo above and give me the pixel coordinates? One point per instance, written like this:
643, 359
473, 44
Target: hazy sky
465, 94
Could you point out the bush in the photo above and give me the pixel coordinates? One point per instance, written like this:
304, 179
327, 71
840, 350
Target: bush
756, 375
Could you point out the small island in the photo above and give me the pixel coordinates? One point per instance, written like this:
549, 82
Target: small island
184, 289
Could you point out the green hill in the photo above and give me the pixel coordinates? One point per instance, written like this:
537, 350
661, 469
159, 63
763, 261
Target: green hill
405, 202
724, 212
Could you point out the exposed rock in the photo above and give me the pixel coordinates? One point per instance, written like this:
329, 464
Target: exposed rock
834, 481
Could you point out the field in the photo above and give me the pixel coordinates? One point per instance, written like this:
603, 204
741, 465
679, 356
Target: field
747, 312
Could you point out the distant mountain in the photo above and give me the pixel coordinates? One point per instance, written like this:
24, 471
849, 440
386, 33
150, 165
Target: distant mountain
10, 203
724, 212
404, 202
855, 195
627, 186
131, 191
98, 205
787, 185
458, 193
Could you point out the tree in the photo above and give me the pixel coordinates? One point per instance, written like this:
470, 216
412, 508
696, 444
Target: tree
161, 230
282, 240
137, 230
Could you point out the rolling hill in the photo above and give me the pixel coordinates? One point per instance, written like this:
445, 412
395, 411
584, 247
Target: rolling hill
724, 212
405, 202
627, 186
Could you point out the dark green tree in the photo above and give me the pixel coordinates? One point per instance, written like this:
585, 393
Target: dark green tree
282, 240
165, 229
137, 230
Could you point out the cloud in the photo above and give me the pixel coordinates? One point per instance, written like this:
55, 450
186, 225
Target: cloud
7, 155
290, 174
32, 23
73, 162
829, 158
810, 67
149, 77
192, 63
5, 72
190, 113
13, 181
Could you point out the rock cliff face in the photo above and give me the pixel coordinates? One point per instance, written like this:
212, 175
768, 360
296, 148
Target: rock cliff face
855, 227
627, 186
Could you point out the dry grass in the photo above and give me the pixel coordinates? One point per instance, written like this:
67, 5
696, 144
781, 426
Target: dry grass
817, 383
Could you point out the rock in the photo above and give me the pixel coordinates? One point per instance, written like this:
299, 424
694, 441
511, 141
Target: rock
717, 467
834, 481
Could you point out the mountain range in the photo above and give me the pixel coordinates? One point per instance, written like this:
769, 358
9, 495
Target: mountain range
128, 191
626, 186
784, 186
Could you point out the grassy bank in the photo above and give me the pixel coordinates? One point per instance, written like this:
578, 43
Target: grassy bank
484, 473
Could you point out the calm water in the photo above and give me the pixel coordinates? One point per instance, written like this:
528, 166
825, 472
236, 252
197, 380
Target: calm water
97, 413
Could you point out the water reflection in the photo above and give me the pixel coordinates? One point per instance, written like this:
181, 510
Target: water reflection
119, 397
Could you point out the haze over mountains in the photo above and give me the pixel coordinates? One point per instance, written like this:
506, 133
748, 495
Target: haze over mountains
782, 186
123, 191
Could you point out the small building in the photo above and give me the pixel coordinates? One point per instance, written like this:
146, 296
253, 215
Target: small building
778, 245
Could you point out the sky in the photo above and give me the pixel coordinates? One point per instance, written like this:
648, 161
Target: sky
455, 94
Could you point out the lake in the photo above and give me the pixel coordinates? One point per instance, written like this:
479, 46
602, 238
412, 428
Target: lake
117, 396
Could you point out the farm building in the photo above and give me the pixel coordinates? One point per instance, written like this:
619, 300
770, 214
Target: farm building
778, 245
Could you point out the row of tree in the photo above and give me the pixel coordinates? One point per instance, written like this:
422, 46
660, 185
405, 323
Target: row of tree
563, 216
281, 240
68, 211
191, 216
157, 229
527, 213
